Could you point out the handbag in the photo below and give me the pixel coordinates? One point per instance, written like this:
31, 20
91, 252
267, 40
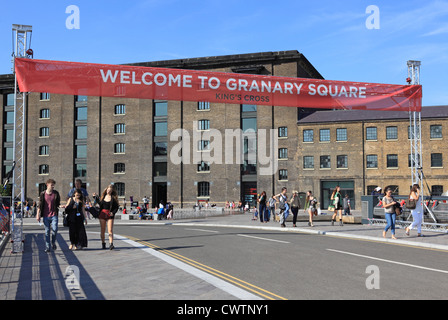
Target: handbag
65, 220
411, 203
331, 207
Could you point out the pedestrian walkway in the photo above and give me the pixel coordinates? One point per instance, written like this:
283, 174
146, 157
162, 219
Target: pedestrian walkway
96, 274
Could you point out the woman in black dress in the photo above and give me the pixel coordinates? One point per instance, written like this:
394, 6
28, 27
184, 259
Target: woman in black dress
76, 216
108, 208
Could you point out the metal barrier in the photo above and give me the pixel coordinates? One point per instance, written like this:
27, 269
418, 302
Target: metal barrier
435, 208
427, 226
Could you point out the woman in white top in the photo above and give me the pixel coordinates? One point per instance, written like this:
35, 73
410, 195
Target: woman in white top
417, 213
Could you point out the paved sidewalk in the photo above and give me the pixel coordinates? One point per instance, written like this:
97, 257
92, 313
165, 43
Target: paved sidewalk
34, 275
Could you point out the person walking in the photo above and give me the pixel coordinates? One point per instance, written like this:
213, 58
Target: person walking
271, 209
310, 207
389, 211
346, 205
48, 209
108, 209
262, 207
295, 206
417, 213
282, 198
77, 217
337, 201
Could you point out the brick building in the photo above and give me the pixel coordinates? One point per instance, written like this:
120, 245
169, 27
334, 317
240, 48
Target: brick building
360, 150
128, 142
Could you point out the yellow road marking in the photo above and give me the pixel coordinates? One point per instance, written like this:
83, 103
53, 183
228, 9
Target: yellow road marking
241, 283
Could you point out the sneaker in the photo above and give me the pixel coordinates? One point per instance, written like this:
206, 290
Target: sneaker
54, 247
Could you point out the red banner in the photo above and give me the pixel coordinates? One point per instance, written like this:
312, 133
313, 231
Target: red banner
74, 78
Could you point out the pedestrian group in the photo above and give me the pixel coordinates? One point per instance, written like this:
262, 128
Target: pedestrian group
77, 210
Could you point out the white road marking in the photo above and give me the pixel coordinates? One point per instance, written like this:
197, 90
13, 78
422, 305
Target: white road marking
245, 235
211, 231
389, 261
221, 284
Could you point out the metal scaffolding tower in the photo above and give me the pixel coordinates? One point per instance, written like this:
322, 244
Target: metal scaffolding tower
415, 136
22, 41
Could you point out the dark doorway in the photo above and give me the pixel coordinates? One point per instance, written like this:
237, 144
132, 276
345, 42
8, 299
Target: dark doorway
159, 194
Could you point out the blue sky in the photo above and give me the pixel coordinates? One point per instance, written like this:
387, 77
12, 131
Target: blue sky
331, 34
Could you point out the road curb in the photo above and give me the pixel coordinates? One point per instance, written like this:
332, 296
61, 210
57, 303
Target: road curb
319, 232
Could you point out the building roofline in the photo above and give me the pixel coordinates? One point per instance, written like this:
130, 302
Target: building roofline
334, 116
214, 62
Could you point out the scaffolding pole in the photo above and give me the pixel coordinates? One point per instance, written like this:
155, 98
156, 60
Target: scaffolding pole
22, 39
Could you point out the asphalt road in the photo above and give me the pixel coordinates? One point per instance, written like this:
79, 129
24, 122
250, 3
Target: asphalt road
283, 265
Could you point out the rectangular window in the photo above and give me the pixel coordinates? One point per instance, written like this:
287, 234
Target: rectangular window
308, 135
249, 124
120, 187
81, 98
44, 132
160, 109
308, 162
119, 148
203, 145
248, 108
391, 133
248, 168
9, 117
160, 169
81, 170
436, 190
9, 135
203, 124
372, 161
44, 150
341, 134
392, 160
119, 168
283, 153
9, 153
283, 174
203, 166
160, 129
81, 132
203, 105
81, 151
120, 128
325, 162
371, 133
120, 109
342, 161
324, 135
10, 99
44, 114
160, 148
436, 160
81, 113
45, 96
44, 169
203, 189
283, 132
436, 131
